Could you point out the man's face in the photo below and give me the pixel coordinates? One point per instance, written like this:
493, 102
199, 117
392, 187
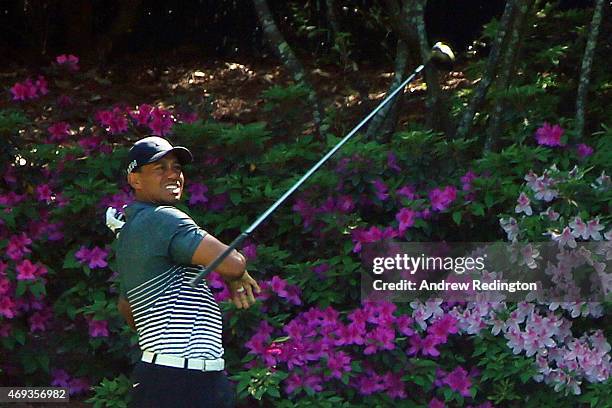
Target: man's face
160, 182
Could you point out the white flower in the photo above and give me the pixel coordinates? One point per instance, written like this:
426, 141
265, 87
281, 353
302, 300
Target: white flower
593, 228
579, 228
551, 214
510, 227
523, 205
565, 238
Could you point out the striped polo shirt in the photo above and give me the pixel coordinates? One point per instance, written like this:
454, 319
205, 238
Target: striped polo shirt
154, 252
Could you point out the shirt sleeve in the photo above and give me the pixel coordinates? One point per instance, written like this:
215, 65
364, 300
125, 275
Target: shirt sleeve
183, 233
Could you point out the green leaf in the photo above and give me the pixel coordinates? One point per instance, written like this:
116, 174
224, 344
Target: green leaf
457, 217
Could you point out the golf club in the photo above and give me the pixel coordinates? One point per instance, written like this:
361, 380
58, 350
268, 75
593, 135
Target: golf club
440, 54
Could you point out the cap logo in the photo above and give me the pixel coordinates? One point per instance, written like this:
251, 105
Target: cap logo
132, 166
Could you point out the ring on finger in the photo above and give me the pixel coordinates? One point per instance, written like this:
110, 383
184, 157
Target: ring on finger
240, 290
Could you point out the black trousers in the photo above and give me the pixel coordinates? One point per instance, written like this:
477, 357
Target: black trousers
157, 386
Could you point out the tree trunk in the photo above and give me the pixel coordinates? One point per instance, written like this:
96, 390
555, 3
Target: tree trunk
585, 70
384, 122
465, 125
332, 21
507, 70
437, 112
121, 25
282, 49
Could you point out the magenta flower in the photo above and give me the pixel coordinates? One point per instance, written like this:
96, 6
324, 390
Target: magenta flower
407, 191
548, 135
392, 162
345, 204
59, 131
20, 92
113, 121
98, 328
71, 62
142, 114
42, 85
381, 189
94, 258
26, 270
197, 193
584, 150
44, 193
459, 380
78, 385
39, 321
436, 403
8, 308
161, 122
339, 363
442, 198
405, 217
250, 251
18, 246
59, 378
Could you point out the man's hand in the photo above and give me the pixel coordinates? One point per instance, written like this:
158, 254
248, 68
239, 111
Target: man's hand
242, 291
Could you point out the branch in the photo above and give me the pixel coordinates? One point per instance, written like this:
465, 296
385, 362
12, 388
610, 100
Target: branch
465, 125
585, 71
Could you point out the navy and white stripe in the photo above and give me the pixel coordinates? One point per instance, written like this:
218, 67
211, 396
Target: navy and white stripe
174, 318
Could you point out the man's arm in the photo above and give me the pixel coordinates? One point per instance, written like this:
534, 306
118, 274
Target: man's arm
232, 270
232, 267
126, 311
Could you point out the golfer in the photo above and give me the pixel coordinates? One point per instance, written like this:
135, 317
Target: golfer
159, 250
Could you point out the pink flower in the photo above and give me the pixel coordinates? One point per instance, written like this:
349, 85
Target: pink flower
20, 92
584, 150
8, 308
523, 205
510, 226
42, 85
113, 121
339, 363
345, 204
94, 258
381, 189
98, 328
405, 217
39, 321
78, 385
459, 380
69, 61
250, 251
436, 403
551, 214
18, 246
392, 162
197, 193
26, 270
60, 378
161, 122
142, 114
442, 198
59, 131
407, 191
548, 135
44, 193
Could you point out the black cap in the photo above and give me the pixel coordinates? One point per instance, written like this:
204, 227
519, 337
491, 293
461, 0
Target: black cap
152, 148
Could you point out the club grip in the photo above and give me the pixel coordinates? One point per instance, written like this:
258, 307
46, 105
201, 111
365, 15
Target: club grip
239, 239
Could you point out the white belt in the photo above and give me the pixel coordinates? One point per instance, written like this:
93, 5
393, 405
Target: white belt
180, 362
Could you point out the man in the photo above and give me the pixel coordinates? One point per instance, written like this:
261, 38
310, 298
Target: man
159, 250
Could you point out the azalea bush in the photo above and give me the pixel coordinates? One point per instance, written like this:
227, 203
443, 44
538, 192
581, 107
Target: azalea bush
310, 340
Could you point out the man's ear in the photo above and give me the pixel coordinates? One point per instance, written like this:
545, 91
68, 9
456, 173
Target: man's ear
134, 180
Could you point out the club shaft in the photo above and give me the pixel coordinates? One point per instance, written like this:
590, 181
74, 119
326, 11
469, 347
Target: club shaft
301, 181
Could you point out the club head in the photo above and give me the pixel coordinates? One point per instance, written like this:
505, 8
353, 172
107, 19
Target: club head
442, 56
